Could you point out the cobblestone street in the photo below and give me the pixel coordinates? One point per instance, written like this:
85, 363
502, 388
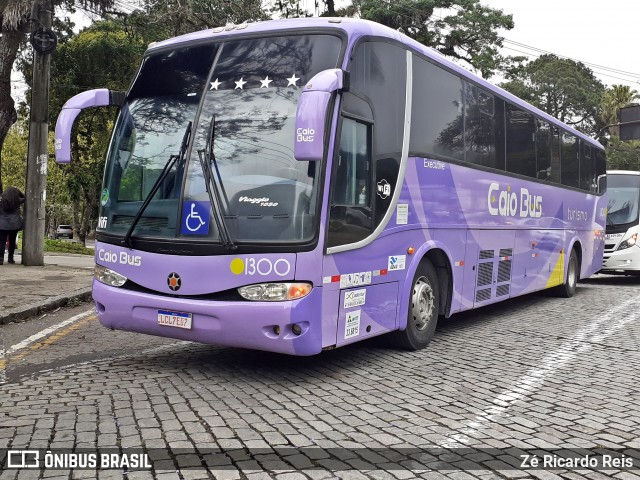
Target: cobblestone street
532, 373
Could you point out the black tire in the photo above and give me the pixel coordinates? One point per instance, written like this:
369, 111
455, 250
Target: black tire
568, 288
424, 307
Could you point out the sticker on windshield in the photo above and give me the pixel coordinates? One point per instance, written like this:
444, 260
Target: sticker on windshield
104, 198
195, 218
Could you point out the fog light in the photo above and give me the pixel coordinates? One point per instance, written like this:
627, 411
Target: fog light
276, 329
295, 328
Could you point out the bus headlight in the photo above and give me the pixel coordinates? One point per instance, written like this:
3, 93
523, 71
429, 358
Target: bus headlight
108, 277
629, 242
275, 292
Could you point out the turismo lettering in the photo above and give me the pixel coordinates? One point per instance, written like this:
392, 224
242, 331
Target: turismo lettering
578, 215
506, 203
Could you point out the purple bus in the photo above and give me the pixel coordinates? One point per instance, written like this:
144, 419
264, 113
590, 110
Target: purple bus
300, 185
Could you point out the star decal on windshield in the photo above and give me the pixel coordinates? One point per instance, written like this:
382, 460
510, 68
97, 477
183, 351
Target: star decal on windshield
215, 85
240, 83
265, 83
293, 81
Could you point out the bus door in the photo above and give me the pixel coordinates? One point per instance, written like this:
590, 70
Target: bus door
492, 260
363, 183
368, 296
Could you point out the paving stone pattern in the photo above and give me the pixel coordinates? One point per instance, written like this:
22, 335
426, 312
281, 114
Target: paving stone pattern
531, 373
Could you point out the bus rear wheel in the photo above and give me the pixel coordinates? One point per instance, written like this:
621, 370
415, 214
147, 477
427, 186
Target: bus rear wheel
568, 288
424, 307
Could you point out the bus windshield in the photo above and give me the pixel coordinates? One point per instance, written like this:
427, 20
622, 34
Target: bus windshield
239, 172
624, 198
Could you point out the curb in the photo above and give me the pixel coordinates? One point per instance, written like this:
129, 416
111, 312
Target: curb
22, 313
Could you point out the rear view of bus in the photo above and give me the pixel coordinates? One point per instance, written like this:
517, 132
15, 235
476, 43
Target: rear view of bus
622, 251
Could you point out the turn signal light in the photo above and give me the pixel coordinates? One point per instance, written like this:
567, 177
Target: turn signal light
275, 292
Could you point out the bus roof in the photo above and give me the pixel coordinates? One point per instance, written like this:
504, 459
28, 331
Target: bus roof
622, 172
355, 29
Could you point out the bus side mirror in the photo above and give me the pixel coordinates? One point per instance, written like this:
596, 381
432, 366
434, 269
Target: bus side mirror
93, 98
311, 115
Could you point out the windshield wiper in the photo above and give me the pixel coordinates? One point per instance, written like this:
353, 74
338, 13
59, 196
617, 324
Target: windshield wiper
213, 190
126, 241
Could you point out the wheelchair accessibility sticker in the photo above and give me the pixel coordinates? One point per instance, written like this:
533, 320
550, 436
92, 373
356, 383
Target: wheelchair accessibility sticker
195, 218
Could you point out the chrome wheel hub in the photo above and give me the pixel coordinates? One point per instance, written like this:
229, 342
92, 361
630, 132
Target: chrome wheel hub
422, 303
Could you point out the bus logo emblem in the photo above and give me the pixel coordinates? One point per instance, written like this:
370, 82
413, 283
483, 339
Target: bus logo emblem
174, 281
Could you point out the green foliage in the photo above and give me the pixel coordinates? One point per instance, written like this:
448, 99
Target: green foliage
468, 34
563, 88
623, 155
464, 30
162, 19
615, 98
101, 56
14, 156
62, 246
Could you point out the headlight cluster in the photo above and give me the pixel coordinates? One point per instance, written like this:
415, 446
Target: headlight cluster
108, 277
275, 292
629, 242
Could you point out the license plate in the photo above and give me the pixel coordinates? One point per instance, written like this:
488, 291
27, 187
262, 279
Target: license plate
174, 319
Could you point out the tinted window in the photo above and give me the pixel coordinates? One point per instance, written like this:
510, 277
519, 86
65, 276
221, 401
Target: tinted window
570, 161
483, 122
543, 151
601, 170
521, 148
350, 214
183, 71
438, 111
555, 155
587, 170
378, 74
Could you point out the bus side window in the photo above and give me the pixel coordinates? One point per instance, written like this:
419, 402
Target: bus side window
587, 170
601, 170
483, 128
570, 166
351, 212
521, 152
555, 155
543, 150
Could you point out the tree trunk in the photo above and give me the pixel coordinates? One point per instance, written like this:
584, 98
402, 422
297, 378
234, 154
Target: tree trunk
9, 43
331, 7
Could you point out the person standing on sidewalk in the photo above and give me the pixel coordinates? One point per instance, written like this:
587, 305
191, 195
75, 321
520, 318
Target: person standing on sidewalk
11, 222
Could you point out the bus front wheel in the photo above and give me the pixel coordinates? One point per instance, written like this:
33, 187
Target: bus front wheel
424, 307
568, 288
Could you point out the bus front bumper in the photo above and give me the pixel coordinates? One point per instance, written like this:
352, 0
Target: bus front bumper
621, 261
291, 327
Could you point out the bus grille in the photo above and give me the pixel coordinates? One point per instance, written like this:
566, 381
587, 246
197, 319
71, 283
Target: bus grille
502, 290
485, 274
482, 295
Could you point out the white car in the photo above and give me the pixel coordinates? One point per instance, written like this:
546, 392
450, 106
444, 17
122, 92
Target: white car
64, 231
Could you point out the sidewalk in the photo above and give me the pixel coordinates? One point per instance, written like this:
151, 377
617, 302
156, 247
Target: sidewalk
29, 291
